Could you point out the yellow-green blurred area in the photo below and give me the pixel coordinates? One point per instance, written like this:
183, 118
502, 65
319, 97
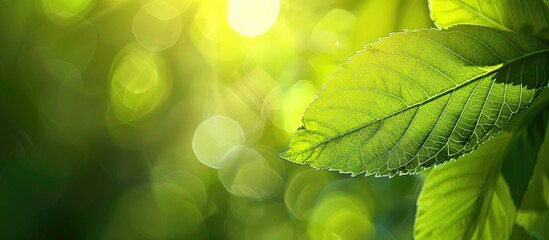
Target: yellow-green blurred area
163, 119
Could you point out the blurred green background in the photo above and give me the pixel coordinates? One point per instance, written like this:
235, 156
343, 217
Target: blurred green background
137, 119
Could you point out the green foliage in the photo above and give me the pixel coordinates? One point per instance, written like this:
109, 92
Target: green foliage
421, 97
397, 108
164, 119
473, 190
534, 209
520, 161
529, 17
479, 207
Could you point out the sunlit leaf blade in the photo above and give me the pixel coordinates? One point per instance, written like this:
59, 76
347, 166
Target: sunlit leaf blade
530, 17
419, 98
469, 198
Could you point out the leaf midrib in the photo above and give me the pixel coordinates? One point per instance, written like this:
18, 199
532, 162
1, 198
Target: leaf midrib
436, 96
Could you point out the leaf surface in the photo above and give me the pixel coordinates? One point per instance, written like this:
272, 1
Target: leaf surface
469, 198
530, 17
419, 98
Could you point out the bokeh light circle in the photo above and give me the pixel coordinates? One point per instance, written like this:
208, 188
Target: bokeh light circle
303, 190
157, 25
66, 11
341, 216
285, 107
180, 186
253, 17
214, 137
245, 172
138, 83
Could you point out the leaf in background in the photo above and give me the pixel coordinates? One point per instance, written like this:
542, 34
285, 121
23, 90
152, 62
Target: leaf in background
469, 198
534, 223
535, 203
519, 233
419, 98
530, 17
519, 164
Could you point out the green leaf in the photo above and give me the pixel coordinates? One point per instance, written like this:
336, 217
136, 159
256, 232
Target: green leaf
469, 198
536, 224
419, 98
535, 203
520, 163
541, 228
530, 17
520, 233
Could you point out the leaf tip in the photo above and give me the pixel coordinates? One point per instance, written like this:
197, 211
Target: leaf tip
290, 155
284, 155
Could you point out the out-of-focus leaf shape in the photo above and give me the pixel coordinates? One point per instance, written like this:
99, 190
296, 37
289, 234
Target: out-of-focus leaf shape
535, 203
534, 224
469, 198
419, 98
520, 162
530, 17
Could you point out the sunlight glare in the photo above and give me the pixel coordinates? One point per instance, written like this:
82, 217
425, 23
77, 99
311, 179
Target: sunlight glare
253, 17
